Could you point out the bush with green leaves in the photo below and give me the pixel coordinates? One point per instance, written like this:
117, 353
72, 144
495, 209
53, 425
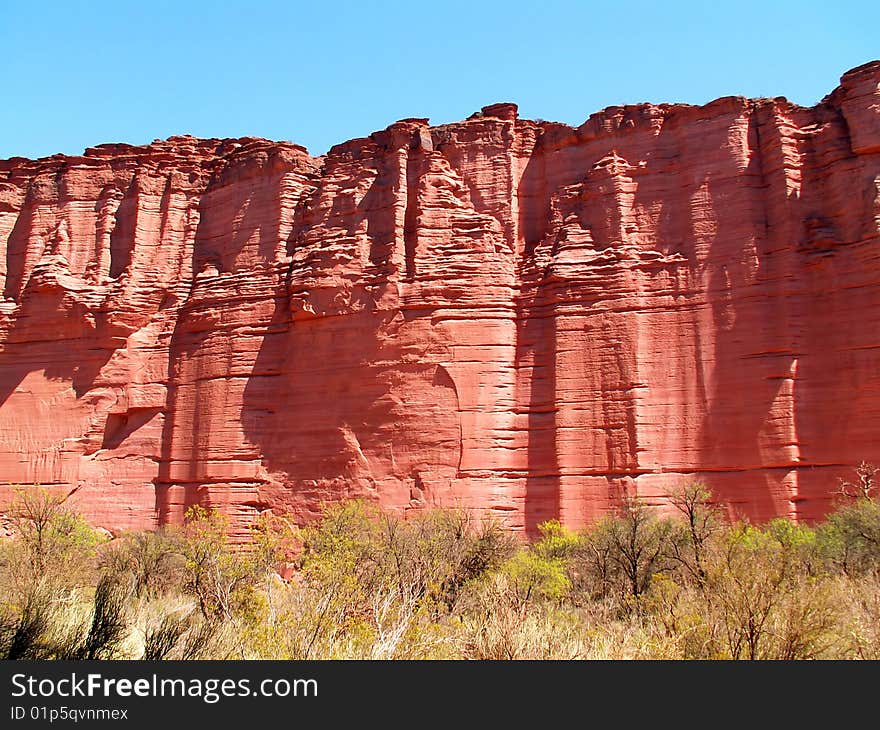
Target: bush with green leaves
50, 540
643, 582
214, 573
357, 549
850, 538
619, 556
153, 560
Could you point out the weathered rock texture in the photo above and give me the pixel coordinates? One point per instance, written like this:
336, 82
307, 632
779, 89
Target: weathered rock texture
512, 316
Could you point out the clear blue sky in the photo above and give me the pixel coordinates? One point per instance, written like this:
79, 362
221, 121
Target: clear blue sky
75, 73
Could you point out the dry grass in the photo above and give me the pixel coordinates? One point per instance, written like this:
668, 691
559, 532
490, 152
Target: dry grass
369, 586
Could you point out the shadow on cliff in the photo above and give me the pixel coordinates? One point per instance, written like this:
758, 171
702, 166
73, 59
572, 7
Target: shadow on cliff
316, 405
331, 407
46, 336
536, 354
751, 350
834, 256
336, 410
200, 350
238, 225
734, 384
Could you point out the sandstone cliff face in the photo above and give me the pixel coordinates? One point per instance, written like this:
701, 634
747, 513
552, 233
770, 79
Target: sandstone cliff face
516, 317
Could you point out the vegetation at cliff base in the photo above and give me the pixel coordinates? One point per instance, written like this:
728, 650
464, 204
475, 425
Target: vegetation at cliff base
641, 583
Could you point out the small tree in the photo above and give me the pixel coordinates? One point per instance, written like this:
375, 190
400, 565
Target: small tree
864, 486
632, 545
152, 559
55, 539
762, 602
214, 572
850, 538
690, 537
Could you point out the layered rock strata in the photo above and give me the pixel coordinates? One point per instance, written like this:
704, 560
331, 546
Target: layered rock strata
519, 318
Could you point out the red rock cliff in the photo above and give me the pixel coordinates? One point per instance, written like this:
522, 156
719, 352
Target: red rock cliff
512, 316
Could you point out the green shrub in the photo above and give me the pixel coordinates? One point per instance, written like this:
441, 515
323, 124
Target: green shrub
441, 584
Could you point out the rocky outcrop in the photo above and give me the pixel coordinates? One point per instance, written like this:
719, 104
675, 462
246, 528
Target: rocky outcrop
517, 317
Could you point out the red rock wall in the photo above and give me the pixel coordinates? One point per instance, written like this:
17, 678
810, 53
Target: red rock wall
517, 317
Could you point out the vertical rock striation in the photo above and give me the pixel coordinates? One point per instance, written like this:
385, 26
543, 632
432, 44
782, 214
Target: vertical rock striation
516, 317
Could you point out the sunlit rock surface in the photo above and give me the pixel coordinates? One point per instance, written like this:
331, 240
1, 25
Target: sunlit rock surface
520, 318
